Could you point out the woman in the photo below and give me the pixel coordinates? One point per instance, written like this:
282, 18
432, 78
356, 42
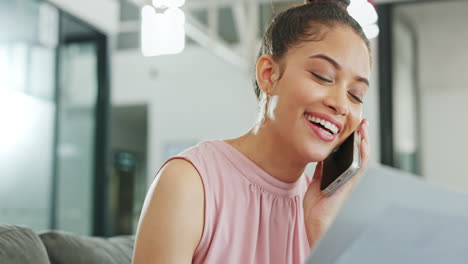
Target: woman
247, 200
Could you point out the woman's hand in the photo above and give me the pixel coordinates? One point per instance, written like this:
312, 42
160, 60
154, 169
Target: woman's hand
319, 209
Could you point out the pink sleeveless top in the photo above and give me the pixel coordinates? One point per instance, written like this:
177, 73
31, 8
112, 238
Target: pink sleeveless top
250, 216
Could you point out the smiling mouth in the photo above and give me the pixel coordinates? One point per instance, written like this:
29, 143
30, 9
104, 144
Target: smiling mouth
323, 124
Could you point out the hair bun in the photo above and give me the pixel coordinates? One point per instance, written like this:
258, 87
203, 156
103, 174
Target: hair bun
341, 3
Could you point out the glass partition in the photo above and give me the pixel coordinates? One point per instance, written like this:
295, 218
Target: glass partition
27, 115
54, 100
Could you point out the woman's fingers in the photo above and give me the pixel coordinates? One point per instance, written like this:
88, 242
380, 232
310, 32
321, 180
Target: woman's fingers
365, 146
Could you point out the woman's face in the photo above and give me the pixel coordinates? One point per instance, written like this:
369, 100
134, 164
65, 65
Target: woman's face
322, 82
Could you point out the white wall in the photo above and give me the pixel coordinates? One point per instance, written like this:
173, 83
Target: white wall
194, 96
443, 64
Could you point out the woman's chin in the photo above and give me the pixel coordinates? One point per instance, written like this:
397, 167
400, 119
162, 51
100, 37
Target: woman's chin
317, 150
317, 156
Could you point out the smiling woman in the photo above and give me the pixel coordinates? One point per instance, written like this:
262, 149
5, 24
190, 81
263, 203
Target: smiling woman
247, 200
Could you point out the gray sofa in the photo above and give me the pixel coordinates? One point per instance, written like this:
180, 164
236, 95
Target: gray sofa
21, 245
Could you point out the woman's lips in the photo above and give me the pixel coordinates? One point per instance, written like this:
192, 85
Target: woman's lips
320, 132
326, 118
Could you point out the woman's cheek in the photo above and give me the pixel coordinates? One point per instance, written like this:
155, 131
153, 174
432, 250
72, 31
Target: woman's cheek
356, 115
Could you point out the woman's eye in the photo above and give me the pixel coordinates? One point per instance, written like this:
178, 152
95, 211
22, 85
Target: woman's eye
321, 78
355, 97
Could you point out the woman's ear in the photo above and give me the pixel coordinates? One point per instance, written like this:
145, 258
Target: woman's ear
267, 73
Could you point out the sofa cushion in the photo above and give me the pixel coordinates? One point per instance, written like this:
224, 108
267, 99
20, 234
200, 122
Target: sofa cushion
67, 248
20, 245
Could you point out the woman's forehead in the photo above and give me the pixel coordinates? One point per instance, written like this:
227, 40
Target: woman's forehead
343, 45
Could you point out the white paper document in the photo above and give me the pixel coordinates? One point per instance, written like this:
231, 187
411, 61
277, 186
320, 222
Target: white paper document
403, 235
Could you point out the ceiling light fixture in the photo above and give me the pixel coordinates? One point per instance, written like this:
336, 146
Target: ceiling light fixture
364, 13
162, 28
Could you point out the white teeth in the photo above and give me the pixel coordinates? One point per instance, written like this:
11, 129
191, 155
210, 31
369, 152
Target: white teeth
324, 123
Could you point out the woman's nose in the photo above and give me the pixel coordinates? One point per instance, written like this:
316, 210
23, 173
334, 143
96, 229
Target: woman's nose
338, 102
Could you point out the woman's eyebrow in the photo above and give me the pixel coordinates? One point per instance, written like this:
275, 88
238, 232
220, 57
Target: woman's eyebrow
337, 66
362, 79
325, 57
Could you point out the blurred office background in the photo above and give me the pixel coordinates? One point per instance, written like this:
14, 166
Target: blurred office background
87, 120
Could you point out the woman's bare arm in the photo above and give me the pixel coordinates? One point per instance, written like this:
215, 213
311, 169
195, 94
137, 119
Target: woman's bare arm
171, 222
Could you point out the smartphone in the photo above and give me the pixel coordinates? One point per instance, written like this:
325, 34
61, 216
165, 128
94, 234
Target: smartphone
341, 164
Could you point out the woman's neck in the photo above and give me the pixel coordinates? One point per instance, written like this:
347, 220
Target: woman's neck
275, 156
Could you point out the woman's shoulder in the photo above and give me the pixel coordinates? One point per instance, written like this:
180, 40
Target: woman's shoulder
178, 173
179, 167
203, 146
175, 196
204, 151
